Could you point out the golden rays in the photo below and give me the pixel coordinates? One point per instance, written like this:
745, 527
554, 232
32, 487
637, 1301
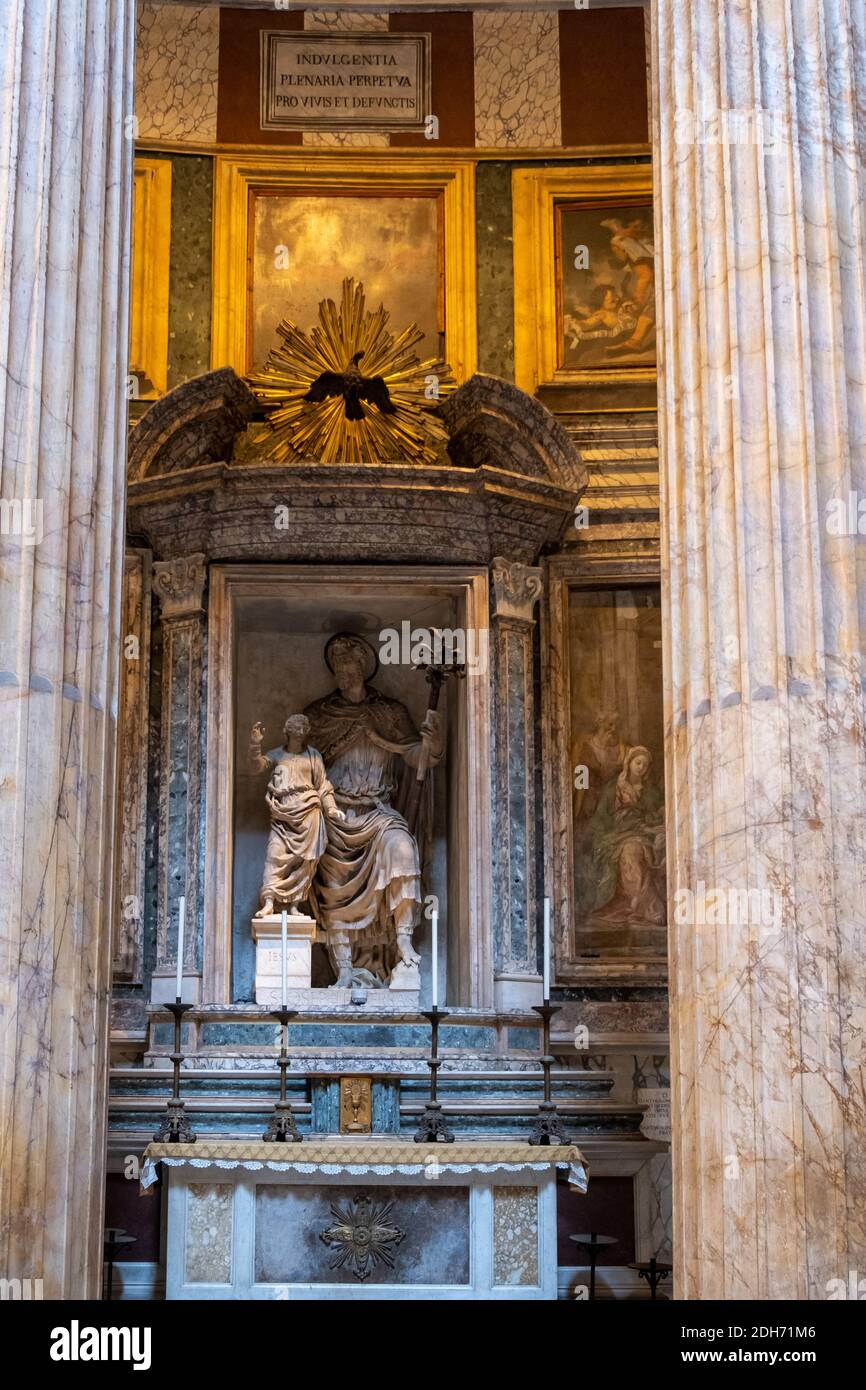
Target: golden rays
320, 430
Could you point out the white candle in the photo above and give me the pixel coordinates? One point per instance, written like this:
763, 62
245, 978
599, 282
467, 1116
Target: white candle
546, 949
434, 919
285, 946
181, 918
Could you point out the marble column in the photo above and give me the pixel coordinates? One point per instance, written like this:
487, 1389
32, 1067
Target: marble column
65, 193
515, 591
179, 585
761, 246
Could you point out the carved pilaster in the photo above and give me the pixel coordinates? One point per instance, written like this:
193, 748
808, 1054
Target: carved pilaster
179, 585
516, 589
132, 767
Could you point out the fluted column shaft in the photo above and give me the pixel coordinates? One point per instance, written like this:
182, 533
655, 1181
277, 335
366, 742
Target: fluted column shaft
761, 241
65, 187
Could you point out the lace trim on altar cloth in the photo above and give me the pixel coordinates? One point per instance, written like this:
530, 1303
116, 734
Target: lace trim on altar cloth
577, 1176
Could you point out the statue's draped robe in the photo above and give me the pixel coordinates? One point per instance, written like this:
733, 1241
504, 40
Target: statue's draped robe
371, 864
297, 789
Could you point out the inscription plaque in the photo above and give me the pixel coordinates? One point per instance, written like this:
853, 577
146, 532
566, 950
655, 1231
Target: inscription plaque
374, 82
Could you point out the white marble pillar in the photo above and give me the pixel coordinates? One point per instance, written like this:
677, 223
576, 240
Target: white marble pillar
65, 182
761, 245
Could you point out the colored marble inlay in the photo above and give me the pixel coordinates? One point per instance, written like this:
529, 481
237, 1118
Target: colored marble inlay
176, 72
517, 79
209, 1233
515, 1235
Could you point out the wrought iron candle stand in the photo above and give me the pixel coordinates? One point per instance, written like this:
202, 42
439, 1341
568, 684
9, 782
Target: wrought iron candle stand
433, 1129
175, 1127
282, 1128
547, 1125
654, 1271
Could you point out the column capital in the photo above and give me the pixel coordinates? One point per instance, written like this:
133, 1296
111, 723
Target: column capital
516, 589
179, 585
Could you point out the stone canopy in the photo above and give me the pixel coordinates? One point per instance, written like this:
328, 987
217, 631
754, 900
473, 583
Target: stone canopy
197, 483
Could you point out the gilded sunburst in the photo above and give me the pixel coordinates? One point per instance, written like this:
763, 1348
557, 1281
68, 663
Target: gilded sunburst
362, 1236
320, 430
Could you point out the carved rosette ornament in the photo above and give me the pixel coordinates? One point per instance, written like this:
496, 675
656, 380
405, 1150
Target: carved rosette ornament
363, 1236
179, 585
516, 589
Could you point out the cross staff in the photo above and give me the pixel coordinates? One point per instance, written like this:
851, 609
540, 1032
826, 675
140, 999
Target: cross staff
437, 674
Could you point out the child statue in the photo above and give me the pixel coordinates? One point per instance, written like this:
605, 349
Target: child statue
299, 798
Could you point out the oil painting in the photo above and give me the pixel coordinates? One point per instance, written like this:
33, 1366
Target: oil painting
617, 772
605, 286
303, 245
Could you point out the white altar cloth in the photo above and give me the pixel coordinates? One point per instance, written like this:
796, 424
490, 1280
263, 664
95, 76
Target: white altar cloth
374, 1155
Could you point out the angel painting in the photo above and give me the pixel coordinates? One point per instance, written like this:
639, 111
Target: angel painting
607, 290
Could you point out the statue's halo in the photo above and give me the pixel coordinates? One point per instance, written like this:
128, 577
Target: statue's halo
357, 641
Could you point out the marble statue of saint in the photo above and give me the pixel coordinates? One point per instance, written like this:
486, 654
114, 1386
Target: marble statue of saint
301, 800
367, 889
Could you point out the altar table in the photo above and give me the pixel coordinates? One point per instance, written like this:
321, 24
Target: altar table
373, 1218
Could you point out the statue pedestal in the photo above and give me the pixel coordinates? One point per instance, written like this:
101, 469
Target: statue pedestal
300, 936
405, 977
330, 1000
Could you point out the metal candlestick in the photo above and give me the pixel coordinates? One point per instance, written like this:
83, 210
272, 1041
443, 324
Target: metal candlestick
113, 1242
175, 1128
593, 1243
433, 1129
282, 1128
654, 1271
547, 1125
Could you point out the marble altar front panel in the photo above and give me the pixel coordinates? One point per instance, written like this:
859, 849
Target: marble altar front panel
311, 1235
293, 1235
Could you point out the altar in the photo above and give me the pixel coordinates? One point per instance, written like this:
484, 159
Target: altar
375, 1218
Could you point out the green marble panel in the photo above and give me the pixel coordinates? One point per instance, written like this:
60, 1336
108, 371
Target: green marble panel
495, 269
189, 324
